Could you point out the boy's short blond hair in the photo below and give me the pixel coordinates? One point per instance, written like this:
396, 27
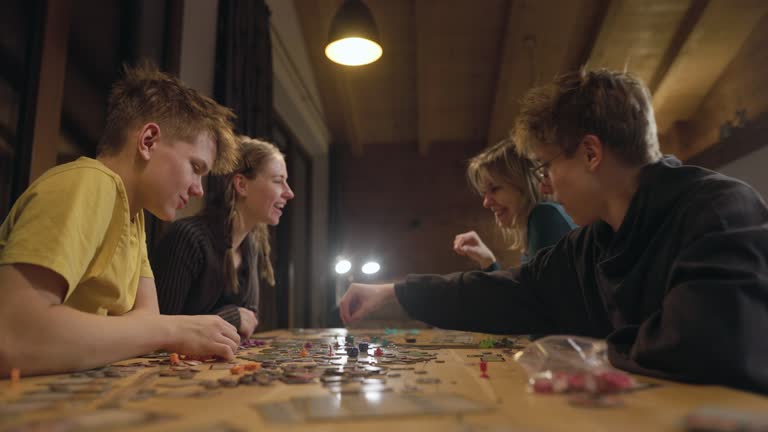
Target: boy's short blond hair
147, 95
614, 106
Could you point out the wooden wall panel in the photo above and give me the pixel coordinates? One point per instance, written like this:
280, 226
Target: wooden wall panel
50, 91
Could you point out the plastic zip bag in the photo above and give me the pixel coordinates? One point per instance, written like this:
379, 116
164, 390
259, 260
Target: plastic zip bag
569, 364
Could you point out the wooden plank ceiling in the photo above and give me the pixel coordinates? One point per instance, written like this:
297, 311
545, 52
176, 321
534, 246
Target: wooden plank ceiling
454, 70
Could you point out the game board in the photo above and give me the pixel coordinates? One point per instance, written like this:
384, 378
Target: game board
316, 378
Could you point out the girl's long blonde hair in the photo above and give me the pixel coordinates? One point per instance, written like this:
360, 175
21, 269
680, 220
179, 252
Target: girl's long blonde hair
502, 163
221, 198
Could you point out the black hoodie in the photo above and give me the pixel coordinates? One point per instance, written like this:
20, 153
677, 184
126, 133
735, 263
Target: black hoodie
679, 292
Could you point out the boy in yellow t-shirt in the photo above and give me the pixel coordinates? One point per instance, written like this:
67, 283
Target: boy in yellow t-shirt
76, 289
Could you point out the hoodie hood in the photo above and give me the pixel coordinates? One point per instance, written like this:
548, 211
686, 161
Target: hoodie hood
660, 186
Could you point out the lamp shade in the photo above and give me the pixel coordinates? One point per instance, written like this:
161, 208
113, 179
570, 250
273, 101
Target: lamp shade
353, 39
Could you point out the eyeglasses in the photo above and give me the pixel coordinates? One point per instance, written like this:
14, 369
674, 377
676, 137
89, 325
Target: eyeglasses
541, 171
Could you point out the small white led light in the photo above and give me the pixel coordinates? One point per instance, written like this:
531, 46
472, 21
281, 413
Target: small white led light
343, 266
371, 267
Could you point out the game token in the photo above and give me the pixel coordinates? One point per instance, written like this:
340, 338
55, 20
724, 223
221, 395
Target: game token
613, 381
483, 369
486, 343
542, 385
297, 379
227, 382
578, 382
174, 359
185, 375
210, 385
252, 366
428, 380
330, 379
15, 377
246, 379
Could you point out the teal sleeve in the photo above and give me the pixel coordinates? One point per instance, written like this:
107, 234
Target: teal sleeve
547, 224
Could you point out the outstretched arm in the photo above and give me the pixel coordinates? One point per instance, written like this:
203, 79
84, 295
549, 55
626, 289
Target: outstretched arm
40, 335
541, 297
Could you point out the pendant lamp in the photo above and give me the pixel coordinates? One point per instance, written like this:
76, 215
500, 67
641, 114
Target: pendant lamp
353, 39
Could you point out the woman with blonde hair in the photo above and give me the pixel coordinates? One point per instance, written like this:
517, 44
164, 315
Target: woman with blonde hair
213, 263
509, 185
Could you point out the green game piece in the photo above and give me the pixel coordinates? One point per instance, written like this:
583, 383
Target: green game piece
486, 343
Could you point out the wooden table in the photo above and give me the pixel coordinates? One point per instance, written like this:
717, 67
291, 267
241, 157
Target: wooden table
511, 407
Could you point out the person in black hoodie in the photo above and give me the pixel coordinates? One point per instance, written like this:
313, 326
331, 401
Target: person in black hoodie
670, 264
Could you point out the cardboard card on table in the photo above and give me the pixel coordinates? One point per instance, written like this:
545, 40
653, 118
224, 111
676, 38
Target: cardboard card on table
98, 420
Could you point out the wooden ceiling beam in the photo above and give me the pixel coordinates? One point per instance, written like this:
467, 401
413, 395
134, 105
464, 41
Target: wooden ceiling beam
635, 35
533, 54
457, 58
689, 21
723, 28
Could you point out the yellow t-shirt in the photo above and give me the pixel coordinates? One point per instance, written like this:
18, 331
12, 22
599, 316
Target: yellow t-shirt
75, 220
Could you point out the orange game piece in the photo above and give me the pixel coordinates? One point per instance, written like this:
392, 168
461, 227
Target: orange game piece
15, 376
175, 359
303, 353
237, 369
250, 367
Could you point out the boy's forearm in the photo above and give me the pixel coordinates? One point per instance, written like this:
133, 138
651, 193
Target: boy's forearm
53, 339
